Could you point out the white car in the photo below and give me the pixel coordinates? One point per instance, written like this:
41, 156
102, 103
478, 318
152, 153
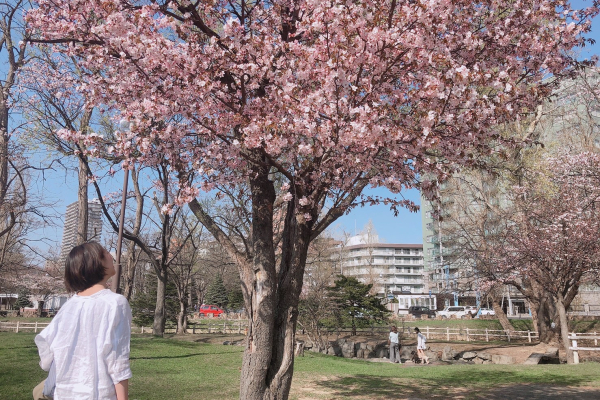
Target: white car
487, 311
456, 311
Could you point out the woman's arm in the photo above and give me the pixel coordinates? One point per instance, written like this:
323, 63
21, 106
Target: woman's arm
122, 389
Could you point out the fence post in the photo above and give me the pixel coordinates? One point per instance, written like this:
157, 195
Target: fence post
239, 326
225, 327
427, 330
575, 352
595, 340
487, 336
36, 326
17, 330
468, 340
209, 326
508, 335
529, 336
448, 333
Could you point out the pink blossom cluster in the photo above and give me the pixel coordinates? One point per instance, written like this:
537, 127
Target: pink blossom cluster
553, 237
326, 93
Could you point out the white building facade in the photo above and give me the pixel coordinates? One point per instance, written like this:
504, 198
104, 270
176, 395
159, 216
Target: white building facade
395, 270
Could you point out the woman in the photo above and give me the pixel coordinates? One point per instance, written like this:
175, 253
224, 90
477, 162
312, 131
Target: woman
421, 340
88, 339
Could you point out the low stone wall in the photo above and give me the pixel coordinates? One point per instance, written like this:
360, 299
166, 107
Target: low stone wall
348, 348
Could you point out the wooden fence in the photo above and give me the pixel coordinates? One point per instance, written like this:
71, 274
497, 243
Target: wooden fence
577, 339
23, 326
239, 327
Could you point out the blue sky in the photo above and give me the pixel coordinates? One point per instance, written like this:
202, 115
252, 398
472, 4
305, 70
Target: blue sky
61, 187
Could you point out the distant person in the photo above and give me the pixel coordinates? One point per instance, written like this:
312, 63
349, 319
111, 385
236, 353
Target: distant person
394, 345
87, 342
421, 346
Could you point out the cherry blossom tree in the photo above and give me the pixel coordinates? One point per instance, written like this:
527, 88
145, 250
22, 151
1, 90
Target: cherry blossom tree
553, 237
301, 105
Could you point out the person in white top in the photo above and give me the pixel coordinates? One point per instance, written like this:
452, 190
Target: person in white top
421, 340
88, 339
394, 345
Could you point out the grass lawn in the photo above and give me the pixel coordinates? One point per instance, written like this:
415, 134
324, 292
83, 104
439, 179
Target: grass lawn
180, 370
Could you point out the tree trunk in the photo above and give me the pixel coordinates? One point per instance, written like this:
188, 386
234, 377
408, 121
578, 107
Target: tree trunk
181, 317
271, 295
131, 257
129, 276
546, 313
82, 205
501, 315
158, 327
564, 327
4, 140
82, 191
40, 308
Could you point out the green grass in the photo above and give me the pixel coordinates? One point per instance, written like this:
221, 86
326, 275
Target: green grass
181, 370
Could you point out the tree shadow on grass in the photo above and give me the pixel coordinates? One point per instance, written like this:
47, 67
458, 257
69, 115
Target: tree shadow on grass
184, 355
494, 385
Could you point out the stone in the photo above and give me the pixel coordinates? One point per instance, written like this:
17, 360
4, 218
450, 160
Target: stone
552, 351
448, 354
484, 356
468, 355
534, 359
478, 360
502, 359
360, 353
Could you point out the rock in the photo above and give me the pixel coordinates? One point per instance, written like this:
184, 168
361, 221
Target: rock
534, 359
478, 360
484, 356
360, 353
348, 350
502, 359
487, 362
448, 354
226, 343
552, 351
468, 355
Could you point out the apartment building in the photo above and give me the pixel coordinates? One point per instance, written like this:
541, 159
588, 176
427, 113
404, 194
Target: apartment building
94, 231
395, 270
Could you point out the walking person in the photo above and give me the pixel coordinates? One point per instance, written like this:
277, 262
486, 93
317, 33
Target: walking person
394, 345
421, 346
87, 342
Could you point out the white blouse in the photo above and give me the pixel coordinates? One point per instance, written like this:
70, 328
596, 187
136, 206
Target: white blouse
88, 340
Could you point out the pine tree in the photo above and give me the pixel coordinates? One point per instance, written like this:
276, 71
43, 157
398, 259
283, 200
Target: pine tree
355, 304
23, 299
217, 293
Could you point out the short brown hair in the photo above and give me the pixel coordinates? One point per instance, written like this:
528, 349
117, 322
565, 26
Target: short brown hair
83, 268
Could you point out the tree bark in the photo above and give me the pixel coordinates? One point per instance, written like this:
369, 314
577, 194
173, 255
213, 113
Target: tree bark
82, 205
564, 326
501, 315
158, 327
82, 191
181, 317
131, 256
271, 294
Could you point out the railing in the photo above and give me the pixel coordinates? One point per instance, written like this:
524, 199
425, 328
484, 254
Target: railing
587, 338
468, 334
23, 326
239, 327
450, 334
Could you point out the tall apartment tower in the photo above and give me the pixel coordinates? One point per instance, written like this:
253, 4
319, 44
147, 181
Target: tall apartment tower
94, 231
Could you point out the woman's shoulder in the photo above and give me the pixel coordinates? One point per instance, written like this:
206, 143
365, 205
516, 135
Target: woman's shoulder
112, 297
